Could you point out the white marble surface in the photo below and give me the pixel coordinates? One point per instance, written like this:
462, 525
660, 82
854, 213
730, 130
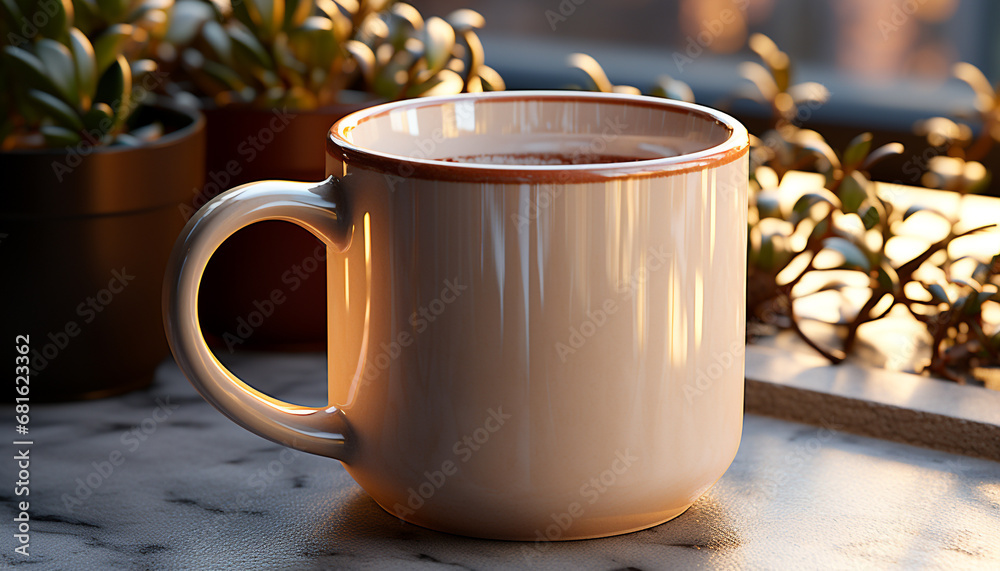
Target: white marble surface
200, 492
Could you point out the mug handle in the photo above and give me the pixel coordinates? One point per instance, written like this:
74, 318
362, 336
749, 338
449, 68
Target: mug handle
313, 206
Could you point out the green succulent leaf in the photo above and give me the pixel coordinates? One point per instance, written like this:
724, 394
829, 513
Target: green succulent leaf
853, 255
59, 137
56, 109
60, 67
218, 41
113, 10
187, 20
857, 151
802, 207
29, 68
247, 47
314, 43
85, 64
853, 191
99, 119
55, 23
115, 88
869, 215
938, 293
109, 45
439, 41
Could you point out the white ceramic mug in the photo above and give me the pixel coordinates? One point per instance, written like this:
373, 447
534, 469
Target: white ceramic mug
547, 348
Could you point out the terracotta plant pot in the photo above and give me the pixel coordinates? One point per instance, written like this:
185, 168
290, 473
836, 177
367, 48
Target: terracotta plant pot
84, 240
267, 261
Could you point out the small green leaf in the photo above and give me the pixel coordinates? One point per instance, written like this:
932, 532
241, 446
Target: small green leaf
869, 215
85, 66
853, 191
99, 119
853, 255
938, 293
29, 68
60, 67
803, 206
54, 24
314, 43
857, 150
218, 41
55, 108
115, 88
109, 45
439, 40
112, 10
245, 44
59, 137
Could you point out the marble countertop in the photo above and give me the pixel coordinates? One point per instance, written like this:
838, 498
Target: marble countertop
157, 479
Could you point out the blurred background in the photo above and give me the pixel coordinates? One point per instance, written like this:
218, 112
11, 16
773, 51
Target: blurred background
887, 63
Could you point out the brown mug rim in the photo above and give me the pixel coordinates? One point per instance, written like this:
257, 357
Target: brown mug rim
735, 146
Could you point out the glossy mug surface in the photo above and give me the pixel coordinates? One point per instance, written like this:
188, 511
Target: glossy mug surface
535, 307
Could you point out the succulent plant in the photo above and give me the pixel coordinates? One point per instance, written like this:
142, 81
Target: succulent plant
665, 86
956, 165
301, 54
838, 227
64, 75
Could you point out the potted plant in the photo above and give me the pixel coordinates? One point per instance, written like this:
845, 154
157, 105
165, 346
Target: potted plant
93, 173
825, 255
273, 76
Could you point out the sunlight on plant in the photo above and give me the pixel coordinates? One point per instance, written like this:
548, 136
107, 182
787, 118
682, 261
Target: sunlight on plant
836, 232
302, 54
75, 78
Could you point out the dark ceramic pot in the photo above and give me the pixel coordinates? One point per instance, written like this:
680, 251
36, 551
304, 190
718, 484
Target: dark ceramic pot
268, 260
84, 240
